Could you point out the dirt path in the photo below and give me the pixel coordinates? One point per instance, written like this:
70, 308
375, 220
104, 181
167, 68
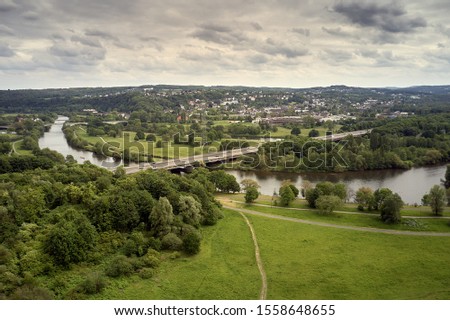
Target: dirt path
13, 148
336, 226
339, 211
263, 292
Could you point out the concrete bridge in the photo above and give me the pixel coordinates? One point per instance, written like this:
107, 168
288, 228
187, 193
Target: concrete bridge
187, 163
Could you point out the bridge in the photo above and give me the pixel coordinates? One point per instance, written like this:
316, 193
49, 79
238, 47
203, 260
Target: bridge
340, 136
186, 163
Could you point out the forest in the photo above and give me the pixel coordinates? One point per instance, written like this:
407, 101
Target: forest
54, 219
397, 144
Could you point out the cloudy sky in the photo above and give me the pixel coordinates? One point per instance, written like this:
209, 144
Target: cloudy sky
60, 43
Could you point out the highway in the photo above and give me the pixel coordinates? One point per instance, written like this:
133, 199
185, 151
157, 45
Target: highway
188, 161
340, 136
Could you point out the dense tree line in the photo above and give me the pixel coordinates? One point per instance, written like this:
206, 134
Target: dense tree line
54, 218
399, 144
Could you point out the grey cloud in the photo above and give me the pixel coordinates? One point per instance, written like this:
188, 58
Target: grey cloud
258, 59
219, 34
256, 26
31, 16
390, 18
87, 41
77, 53
6, 51
101, 34
7, 5
303, 31
338, 32
444, 30
7, 31
273, 47
215, 27
337, 56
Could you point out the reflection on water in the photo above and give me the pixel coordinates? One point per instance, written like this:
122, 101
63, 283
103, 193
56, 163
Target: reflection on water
54, 139
411, 185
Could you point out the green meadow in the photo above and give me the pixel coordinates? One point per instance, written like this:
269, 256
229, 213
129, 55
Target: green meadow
301, 262
312, 262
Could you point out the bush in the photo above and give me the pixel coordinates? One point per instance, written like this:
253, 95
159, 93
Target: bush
31, 292
151, 259
146, 273
135, 245
119, 266
171, 242
251, 194
154, 243
94, 283
191, 243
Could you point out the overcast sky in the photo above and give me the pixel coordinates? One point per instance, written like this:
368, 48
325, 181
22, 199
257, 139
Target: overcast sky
288, 43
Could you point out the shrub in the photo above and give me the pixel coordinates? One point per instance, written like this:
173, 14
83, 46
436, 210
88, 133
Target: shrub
31, 292
94, 283
191, 243
151, 259
154, 243
146, 273
171, 242
119, 266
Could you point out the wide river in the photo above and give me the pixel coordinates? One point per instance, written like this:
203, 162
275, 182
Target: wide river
411, 185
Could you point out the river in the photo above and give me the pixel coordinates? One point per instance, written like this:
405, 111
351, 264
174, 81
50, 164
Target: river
411, 184
54, 139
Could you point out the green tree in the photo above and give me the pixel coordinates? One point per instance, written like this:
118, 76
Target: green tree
379, 196
247, 183
447, 177
327, 204
436, 199
70, 240
286, 195
224, 182
190, 210
191, 242
161, 217
390, 208
251, 194
311, 195
296, 131
140, 135
364, 198
313, 133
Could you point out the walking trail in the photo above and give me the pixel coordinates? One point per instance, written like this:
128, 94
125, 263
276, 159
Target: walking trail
336, 226
337, 211
263, 292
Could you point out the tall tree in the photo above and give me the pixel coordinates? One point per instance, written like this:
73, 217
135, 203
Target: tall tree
190, 210
286, 195
161, 216
436, 199
390, 208
364, 198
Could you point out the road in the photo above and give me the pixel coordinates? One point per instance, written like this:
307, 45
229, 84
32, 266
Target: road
340, 136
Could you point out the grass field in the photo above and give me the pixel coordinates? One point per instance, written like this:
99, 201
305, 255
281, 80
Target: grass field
422, 211
310, 262
19, 150
301, 262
